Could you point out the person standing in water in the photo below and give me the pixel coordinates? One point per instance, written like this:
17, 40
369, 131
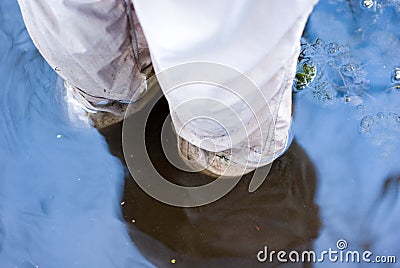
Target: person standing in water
108, 51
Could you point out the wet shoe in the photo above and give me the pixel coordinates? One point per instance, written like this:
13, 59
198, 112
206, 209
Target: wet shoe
210, 163
100, 112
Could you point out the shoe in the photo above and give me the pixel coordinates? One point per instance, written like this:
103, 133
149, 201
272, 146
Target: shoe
210, 163
100, 112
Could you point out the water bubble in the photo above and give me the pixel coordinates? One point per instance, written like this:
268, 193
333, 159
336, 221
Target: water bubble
361, 108
366, 124
380, 115
331, 63
323, 92
396, 75
353, 100
395, 118
381, 124
350, 68
368, 4
319, 41
318, 46
333, 48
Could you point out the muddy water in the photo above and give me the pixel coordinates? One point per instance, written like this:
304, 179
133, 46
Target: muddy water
281, 214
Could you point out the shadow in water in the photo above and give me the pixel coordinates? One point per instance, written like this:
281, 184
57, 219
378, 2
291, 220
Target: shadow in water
281, 214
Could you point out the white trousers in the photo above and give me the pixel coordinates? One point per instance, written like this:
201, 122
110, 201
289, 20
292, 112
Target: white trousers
250, 47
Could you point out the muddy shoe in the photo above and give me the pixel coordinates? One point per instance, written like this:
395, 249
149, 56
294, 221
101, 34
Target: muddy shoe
210, 163
101, 112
